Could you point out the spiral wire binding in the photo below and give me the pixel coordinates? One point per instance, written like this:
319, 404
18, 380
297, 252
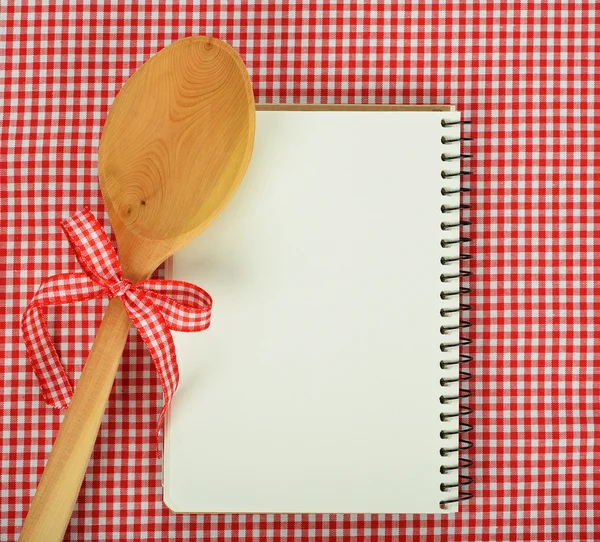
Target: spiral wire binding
461, 360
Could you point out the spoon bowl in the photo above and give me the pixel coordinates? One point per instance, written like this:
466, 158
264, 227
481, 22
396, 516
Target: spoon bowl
175, 146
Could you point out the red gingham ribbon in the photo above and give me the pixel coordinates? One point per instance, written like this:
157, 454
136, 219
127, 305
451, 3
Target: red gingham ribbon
153, 306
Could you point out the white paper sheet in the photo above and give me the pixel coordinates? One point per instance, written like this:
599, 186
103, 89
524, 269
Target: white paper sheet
316, 388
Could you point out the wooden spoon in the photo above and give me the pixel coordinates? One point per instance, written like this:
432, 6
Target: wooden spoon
174, 149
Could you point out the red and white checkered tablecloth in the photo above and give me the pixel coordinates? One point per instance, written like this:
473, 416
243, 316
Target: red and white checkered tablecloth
525, 73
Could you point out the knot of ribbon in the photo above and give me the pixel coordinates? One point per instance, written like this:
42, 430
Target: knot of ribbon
119, 288
154, 307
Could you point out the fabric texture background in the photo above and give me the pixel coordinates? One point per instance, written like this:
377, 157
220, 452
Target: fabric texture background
525, 73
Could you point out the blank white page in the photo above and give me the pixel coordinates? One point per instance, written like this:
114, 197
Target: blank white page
317, 386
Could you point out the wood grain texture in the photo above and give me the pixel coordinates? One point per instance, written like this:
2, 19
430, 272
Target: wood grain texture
175, 146
57, 491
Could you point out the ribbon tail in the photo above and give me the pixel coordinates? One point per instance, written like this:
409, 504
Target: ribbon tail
154, 331
41, 354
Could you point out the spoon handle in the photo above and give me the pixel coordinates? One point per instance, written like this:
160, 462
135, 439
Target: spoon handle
53, 503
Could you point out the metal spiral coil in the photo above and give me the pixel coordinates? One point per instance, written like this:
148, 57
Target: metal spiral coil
461, 411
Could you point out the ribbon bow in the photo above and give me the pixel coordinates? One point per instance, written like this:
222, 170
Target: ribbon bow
153, 306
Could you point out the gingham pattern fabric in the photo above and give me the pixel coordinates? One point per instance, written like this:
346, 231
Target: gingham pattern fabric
147, 304
526, 73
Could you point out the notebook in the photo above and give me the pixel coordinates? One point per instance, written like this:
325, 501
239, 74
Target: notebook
331, 378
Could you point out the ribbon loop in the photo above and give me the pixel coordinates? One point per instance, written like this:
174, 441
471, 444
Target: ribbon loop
154, 306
